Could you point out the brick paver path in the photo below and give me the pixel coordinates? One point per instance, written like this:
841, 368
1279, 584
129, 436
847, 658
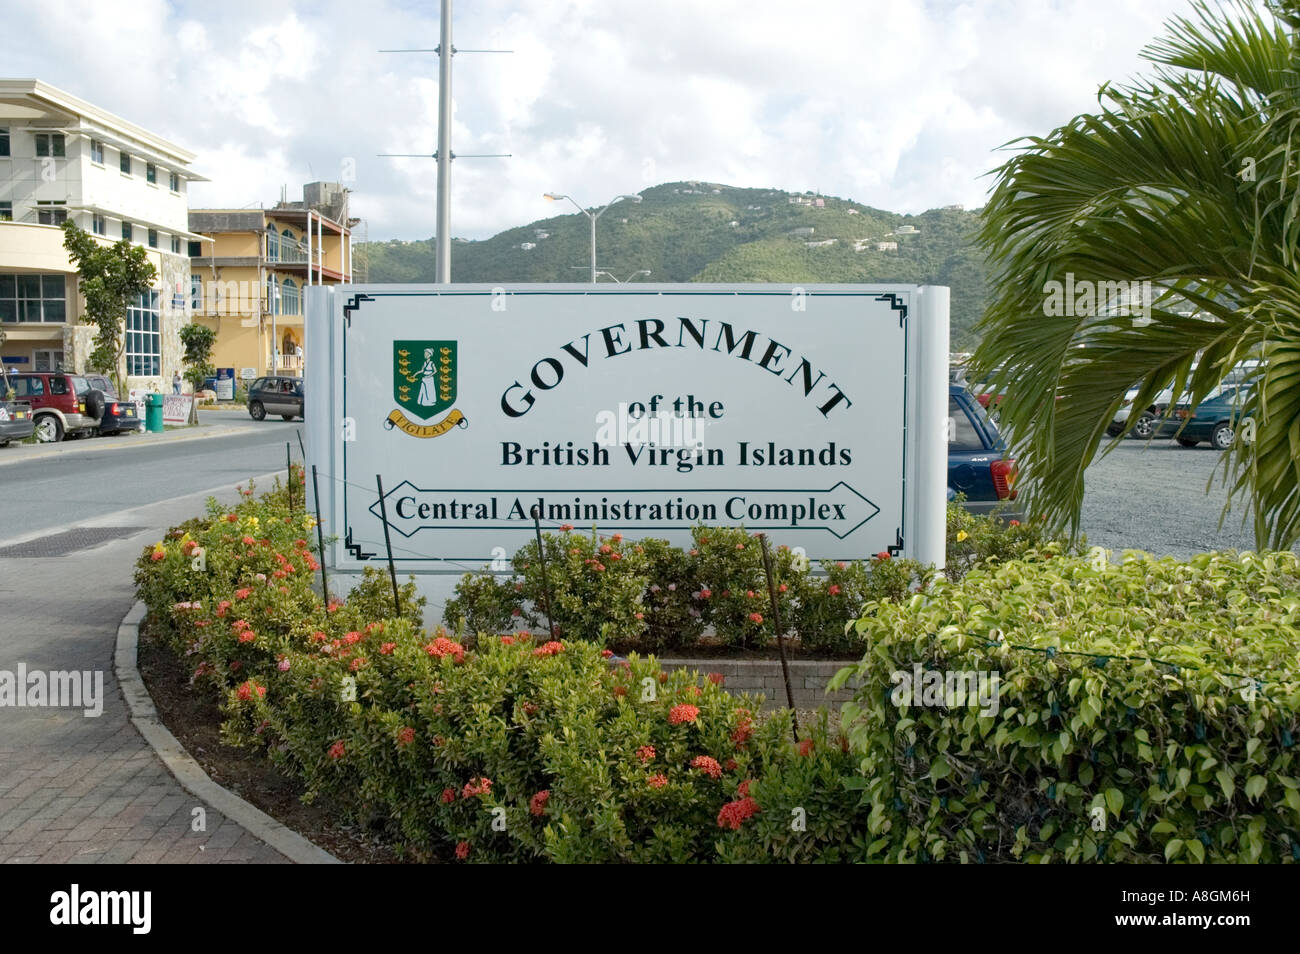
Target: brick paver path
78, 789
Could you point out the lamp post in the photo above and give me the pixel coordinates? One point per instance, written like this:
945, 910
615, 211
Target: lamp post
644, 271
593, 216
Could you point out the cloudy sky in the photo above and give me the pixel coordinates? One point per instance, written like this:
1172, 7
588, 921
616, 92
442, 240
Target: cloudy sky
900, 104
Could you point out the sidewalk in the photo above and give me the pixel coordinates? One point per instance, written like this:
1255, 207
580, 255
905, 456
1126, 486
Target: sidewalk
211, 424
89, 789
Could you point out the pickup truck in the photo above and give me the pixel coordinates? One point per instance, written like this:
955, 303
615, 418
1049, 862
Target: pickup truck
16, 421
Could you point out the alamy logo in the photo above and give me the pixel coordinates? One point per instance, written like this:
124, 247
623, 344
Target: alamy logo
102, 907
58, 689
424, 385
946, 687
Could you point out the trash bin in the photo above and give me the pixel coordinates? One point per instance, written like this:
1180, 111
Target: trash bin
153, 412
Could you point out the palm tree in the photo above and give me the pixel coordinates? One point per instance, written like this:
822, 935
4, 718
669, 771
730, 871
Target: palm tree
1187, 180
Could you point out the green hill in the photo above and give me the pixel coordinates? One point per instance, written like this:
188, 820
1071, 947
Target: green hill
707, 232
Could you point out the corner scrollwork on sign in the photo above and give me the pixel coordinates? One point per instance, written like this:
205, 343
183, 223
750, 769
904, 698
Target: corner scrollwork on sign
897, 304
353, 304
897, 547
357, 552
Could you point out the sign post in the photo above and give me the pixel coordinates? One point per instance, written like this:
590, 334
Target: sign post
814, 414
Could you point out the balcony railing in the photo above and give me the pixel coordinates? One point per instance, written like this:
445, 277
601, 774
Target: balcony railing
287, 253
289, 362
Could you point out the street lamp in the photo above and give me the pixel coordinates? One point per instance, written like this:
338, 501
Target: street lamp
555, 197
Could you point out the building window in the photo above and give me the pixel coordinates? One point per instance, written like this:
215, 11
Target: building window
272, 244
196, 249
50, 144
6, 211
176, 244
143, 338
96, 151
174, 182
126, 230
4, 140
289, 298
98, 224
33, 298
153, 238
196, 293
51, 213
150, 173
124, 162
46, 359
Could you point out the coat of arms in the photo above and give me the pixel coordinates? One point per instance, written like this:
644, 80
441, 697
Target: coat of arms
424, 385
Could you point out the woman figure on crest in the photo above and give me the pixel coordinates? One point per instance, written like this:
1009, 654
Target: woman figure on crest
428, 395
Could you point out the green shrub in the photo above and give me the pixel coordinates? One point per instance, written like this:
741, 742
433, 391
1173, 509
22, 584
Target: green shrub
827, 604
974, 540
483, 604
1146, 712
732, 582
674, 611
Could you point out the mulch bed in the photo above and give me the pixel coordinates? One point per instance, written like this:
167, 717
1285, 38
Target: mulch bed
194, 718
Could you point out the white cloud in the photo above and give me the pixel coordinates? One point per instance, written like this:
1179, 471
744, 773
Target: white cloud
896, 103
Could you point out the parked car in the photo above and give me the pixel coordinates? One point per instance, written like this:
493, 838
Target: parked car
119, 417
977, 463
1213, 420
16, 422
1149, 417
275, 395
62, 404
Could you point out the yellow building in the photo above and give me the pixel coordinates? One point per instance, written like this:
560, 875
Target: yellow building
249, 275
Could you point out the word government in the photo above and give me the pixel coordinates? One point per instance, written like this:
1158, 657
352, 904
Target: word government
614, 340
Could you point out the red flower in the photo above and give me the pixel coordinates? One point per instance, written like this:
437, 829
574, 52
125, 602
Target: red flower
443, 647
245, 692
733, 814
1014, 523
782, 588
405, 735
242, 594
615, 556
233, 517
336, 750
663, 678
476, 786
352, 637
462, 850
743, 731
806, 747
645, 753
549, 649
730, 765
448, 796
537, 804
657, 781
740, 546
685, 712
756, 617
566, 527
386, 649
834, 589
606, 653
743, 788
617, 537
717, 678
882, 555
620, 691
705, 594
157, 555
750, 594
606, 548
708, 765
507, 640
247, 636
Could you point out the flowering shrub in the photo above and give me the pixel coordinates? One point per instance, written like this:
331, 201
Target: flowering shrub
827, 604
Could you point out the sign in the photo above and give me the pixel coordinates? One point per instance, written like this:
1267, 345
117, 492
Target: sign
225, 384
179, 409
247, 374
817, 414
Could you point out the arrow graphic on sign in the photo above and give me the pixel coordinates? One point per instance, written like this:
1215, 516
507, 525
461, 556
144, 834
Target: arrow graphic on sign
840, 510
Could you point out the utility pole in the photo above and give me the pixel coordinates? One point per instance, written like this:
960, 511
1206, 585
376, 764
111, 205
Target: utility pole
444, 155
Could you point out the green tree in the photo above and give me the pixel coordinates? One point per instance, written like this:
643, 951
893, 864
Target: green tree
1185, 180
198, 341
111, 276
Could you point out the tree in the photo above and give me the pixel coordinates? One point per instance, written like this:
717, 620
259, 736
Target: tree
198, 341
111, 276
1185, 181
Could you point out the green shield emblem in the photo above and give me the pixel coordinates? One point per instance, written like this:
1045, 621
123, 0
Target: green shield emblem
424, 376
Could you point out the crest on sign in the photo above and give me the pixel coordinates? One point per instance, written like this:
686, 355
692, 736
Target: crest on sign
424, 386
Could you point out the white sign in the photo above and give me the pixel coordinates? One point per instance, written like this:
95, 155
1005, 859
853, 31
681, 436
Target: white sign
247, 374
643, 410
178, 408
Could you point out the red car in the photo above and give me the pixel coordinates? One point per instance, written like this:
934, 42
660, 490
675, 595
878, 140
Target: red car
62, 404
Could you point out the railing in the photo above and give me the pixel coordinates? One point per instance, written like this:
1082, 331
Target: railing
287, 253
289, 362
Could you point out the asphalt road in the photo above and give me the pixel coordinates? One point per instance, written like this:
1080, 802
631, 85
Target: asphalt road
97, 477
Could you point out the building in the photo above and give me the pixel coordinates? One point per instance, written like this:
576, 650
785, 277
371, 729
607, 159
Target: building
61, 159
248, 281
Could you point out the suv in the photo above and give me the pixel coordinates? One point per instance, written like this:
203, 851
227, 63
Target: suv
119, 416
275, 395
62, 404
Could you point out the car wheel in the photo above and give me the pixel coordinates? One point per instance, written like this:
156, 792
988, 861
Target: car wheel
1145, 426
256, 411
49, 430
1114, 430
288, 417
1187, 442
1221, 437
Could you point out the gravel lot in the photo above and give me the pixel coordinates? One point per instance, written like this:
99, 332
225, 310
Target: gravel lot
1151, 496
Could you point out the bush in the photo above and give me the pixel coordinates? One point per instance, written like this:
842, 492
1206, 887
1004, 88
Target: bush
1146, 712
827, 604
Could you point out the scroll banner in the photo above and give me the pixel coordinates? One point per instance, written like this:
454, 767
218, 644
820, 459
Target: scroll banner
399, 420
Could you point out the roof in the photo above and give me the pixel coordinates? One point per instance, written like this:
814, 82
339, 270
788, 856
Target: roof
15, 102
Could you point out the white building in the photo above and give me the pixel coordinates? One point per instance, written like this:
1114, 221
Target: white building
62, 158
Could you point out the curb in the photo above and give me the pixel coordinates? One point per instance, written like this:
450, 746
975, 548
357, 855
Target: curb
179, 436
187, 771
